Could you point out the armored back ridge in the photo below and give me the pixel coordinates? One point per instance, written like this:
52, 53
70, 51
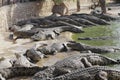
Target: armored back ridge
73, 63
89, 74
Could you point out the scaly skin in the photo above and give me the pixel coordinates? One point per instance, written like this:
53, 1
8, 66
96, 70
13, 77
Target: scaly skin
106, 17
45, 32
89, 74
73, 63
95, 49
19, 71
84, 22
92, 19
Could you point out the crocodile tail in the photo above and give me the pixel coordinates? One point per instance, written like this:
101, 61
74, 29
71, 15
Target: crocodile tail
45, 74
19, 71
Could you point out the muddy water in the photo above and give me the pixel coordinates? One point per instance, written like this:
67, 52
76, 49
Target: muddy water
112, 31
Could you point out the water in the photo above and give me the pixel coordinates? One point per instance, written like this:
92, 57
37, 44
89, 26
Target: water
113, 33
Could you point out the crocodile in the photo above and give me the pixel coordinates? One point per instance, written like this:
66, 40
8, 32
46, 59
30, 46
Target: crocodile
65, 19
106, 17
53, 48
11, 72
34, 55
22, 61
95, 49
72, 63
92, 18
23, 34
24, 27
34, 34
35, 22
45, 22
96, 38
44, 35
91, 73
19, 60
61, 23
82, 21
40, 50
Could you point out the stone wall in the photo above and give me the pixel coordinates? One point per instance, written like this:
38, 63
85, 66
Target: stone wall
11, 14
0, 3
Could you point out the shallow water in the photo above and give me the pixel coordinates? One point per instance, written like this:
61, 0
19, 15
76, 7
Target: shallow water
112, 31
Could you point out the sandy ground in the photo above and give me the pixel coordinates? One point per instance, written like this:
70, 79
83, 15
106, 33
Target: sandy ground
7, 48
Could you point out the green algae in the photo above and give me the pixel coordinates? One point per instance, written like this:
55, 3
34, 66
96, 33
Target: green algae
98, 31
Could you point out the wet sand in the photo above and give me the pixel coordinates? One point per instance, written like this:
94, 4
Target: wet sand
7, 48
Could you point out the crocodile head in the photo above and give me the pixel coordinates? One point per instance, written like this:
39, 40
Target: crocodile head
38, 36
